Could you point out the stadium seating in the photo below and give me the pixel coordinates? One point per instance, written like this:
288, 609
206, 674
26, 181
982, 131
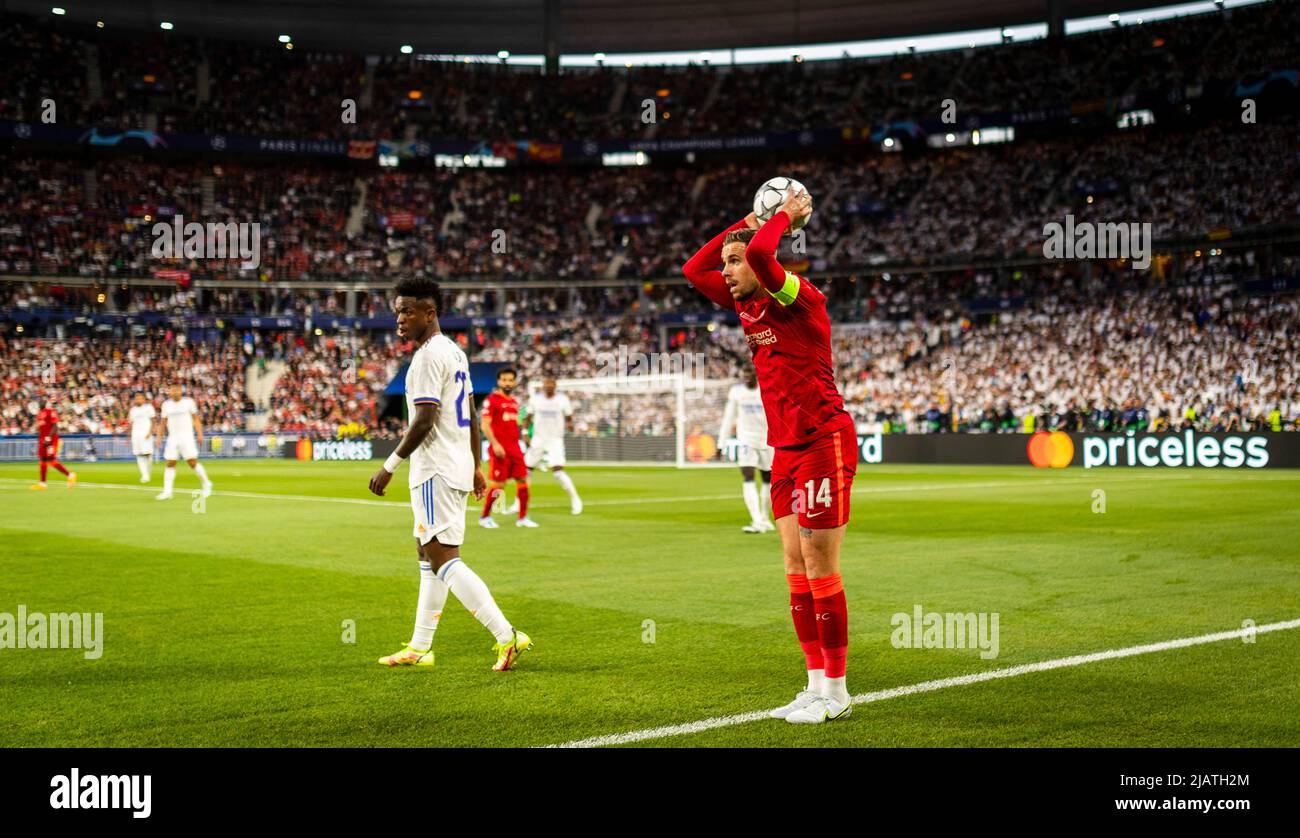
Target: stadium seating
559, 224
1211, 350
298, 93
927, 337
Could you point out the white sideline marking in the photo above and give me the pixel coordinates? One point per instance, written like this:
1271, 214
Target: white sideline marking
857, 490
930, 686
156, 488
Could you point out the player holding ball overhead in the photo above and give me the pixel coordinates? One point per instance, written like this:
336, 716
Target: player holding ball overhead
789, 334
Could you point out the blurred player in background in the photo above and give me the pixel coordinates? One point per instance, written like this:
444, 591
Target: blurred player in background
184, 436
47, 446
506, 459
786, 325
142, 416
443, 442
549, 417
744, 412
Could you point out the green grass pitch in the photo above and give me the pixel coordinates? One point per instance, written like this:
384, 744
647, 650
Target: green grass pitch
226, 628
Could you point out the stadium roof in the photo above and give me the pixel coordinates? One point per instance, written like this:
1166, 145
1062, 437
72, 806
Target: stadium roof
583, 26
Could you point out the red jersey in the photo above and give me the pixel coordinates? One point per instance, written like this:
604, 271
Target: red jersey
47, 423
503, 412
789, 335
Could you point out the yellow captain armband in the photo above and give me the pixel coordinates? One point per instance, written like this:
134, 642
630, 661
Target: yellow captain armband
789, 291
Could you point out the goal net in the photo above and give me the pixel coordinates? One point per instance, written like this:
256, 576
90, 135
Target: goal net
664, 419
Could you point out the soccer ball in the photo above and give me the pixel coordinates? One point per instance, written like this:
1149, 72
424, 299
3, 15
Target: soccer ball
771, 195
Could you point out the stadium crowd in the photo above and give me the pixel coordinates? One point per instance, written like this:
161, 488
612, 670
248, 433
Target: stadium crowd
91, 382
937, 207
333, 387
1167, 360
1083, 358
928, 339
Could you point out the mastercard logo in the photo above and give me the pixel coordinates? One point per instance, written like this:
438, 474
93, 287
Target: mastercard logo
700, 448
303, 449
1051, 450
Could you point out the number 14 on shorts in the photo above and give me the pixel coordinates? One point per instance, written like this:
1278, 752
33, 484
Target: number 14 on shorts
812, 495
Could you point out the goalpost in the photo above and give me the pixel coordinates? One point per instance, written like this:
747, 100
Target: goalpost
661, 419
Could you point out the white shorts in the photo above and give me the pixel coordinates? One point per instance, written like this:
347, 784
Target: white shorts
180, 449
439, 512
551, 449
142, 446
757, 456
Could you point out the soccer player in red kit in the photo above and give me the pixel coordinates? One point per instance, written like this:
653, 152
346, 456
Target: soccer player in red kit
789, 333
500, 423
47, 445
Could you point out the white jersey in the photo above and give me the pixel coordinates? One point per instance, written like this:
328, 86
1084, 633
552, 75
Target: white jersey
745, 410
142, 416
180, 418
439, 374
549, 415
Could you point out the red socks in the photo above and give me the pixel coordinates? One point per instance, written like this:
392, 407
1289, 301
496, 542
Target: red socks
491, 497
45, 466
832, 620
805, 620
821, 621
521, 495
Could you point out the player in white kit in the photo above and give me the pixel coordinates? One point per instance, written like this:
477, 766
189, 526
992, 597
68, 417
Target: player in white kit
548, 419
142, 415
184, 436
442, 442
744, 412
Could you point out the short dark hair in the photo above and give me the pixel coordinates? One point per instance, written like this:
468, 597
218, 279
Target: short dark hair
421, 289
505, 370
743, 236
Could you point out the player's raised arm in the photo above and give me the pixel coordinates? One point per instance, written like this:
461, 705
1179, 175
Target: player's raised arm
761, 252
702, 268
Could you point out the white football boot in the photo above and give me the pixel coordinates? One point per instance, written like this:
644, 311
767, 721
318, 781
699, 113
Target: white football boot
819, 710
801, 700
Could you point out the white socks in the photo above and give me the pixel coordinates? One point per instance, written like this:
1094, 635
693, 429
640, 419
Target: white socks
566, 483
143, 462
433, 596
474, 595
169, 475
764, 499
835, 688
751, 500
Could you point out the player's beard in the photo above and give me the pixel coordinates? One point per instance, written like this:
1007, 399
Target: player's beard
745, 297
